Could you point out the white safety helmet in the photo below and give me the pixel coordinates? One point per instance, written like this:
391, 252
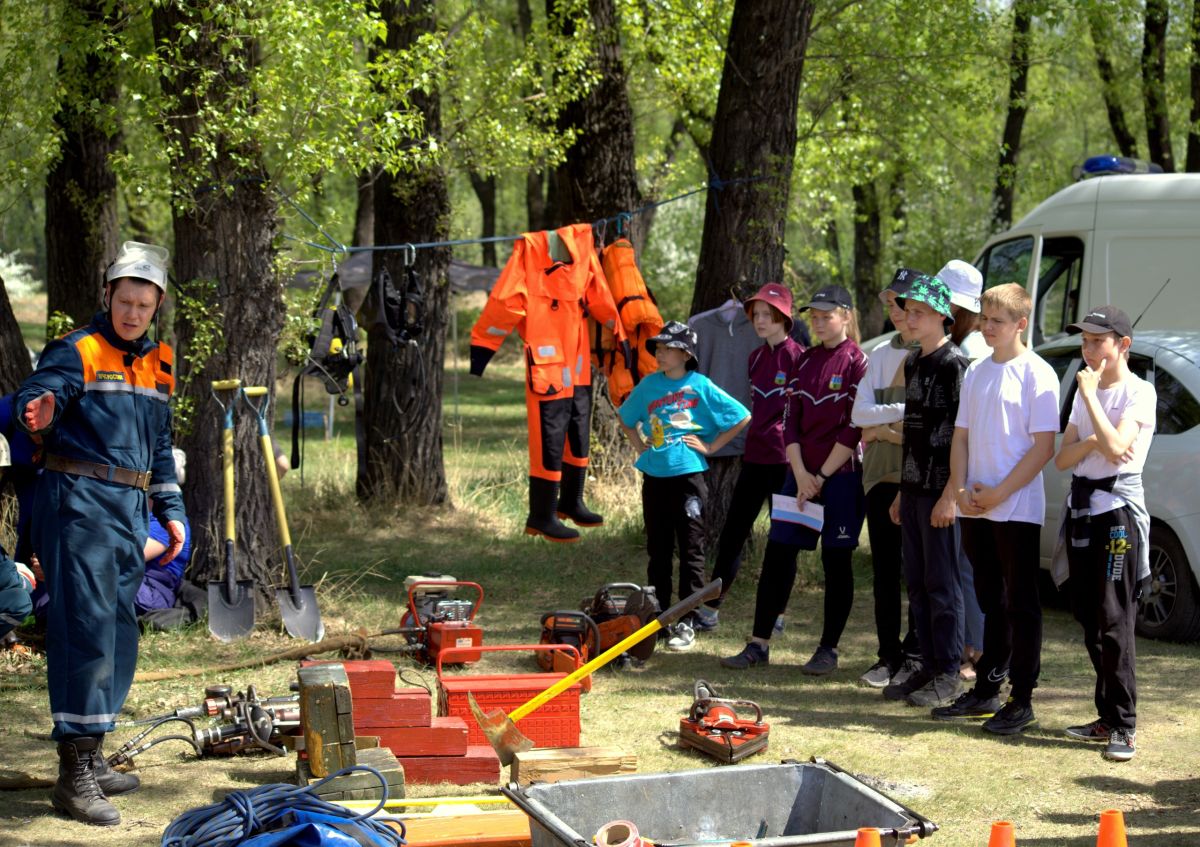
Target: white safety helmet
5, 452
140, 261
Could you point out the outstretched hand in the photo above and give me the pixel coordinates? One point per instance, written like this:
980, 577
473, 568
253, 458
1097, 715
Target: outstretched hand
39, 412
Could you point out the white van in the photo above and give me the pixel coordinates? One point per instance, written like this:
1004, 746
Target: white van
1110, 239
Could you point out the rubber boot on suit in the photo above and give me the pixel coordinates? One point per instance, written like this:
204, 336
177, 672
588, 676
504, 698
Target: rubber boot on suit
77, 793
543, 516
570, 498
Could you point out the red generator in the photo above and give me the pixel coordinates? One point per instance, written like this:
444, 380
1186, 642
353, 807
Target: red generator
438, 619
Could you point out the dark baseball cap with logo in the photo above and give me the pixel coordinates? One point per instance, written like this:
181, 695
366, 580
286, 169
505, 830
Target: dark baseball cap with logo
1102, 319
829, 298
901, 283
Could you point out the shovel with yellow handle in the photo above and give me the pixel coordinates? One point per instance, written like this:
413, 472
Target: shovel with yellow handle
501, 729
230, 601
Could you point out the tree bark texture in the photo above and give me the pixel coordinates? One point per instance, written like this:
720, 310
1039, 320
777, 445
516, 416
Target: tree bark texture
1126, 142
403, 385
81, 188
754, 138
1014, 122
598, 179
14, 358
1154, 85
1193, 143
868, 249
224, 257
485, 192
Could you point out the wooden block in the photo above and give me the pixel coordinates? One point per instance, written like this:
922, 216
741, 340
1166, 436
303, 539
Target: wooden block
368, 677
406, 707
503, 828
552, 765
481, 764
327, 718
445, 737
358, 785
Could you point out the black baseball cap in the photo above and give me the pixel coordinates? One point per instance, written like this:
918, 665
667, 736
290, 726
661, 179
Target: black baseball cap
1103, 319
828, 298
901, 283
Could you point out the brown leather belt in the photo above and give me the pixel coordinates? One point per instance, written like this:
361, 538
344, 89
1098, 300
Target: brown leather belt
108, 473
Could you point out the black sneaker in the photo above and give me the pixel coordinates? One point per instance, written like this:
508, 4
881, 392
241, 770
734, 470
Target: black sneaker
1121, 745
967, 705
1011, 719
901, 690
752, 654
824, 661
1097, 730
879, 675
939, 691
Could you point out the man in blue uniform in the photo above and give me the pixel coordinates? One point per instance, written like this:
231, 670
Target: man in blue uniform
98, 403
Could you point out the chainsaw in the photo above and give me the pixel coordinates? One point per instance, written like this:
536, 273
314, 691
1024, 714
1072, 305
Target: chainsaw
713, 726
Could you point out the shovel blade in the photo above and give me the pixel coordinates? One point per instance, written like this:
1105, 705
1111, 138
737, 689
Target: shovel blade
231, 617
501, 732
301, 617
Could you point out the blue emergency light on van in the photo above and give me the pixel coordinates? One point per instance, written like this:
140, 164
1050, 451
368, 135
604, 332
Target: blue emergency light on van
1109, 165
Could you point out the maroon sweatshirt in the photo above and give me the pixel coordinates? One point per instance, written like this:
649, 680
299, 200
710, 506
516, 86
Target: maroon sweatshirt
770, 371
820, 399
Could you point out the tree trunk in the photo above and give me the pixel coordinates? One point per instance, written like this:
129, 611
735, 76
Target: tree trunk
81, 188
868, 247
754, 138
1126, 142
485, 191
1154, 85
1010, 144
1193, 144
598, 179
403, 386
14, 358
224, 263
364, 211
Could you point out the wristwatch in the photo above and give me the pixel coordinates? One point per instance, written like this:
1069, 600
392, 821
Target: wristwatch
820, 475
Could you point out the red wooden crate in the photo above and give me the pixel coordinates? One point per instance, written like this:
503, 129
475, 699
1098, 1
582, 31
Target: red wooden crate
368, 677
553, 724
480, 764
445, 737
406, 707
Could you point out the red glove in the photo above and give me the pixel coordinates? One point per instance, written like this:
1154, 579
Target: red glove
39, 412
175, 530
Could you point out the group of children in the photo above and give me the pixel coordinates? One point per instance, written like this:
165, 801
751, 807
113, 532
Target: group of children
942, 456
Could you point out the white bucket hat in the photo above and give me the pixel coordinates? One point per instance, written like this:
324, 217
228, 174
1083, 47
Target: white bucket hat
965, 283
141, 261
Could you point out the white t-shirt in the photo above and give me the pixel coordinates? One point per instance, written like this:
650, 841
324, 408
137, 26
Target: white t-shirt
1132, 397
1002, 404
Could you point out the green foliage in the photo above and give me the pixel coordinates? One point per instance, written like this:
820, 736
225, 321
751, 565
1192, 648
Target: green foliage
198, 306
58, 324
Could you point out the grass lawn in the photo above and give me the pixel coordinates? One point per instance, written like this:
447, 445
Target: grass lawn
1051, 788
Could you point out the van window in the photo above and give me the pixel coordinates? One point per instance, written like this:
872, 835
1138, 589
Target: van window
1007, 261
1059, 275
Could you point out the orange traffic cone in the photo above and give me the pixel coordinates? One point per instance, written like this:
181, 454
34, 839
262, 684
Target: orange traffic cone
1002, 835
868, 836
1112, 829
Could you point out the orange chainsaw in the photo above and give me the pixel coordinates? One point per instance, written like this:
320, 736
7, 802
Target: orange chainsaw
713, 726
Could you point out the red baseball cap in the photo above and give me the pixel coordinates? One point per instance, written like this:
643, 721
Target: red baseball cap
777, 296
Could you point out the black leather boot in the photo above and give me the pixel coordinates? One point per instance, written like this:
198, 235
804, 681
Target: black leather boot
570, 498
76, 793
112, 782
543, 520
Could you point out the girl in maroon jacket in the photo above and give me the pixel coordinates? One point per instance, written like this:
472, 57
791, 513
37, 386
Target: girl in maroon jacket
825, 467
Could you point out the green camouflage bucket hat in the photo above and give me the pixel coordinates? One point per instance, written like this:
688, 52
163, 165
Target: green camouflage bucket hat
931, 291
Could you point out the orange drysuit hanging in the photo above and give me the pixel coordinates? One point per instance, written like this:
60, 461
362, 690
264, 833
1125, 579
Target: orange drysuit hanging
638, 315
551, 284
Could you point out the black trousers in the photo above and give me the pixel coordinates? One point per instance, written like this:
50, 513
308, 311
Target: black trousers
673, 510
1005, 557
755, 485
1102, 587
778, 577
934, 590
887, 565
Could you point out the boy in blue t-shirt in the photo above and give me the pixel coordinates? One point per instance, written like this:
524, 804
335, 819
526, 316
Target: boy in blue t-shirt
684, 417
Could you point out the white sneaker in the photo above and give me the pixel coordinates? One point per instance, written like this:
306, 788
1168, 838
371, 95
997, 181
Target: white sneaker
682, 637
